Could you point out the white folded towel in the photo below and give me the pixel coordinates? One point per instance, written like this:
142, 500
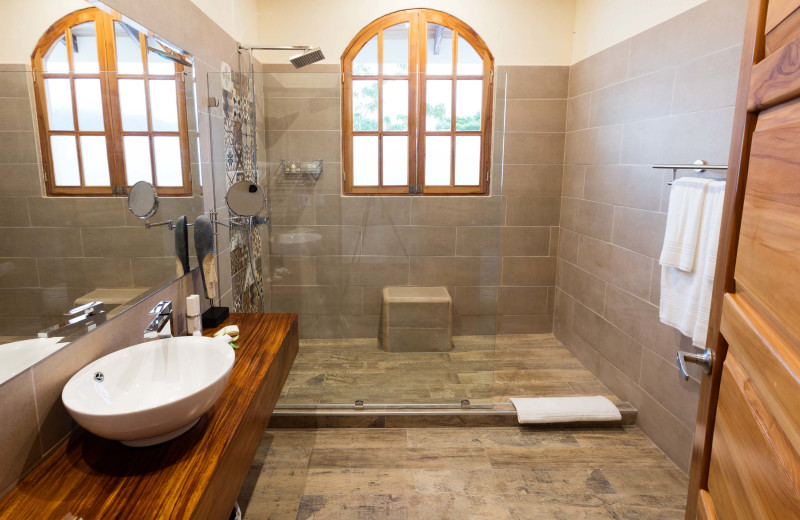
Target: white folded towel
540, 410
683, 222
686, 295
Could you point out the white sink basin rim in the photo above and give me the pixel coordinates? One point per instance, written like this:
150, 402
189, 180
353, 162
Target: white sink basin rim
152, 392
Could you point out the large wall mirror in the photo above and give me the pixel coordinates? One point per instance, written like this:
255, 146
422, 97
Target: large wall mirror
97, 106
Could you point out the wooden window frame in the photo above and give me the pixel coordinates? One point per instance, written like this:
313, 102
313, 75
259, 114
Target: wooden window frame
417, 77
112, 117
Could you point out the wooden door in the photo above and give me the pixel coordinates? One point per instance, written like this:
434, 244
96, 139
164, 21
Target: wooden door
746, 458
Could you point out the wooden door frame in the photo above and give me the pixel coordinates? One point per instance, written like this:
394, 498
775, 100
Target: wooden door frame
743, 126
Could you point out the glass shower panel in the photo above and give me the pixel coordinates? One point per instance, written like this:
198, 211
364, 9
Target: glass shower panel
396, 295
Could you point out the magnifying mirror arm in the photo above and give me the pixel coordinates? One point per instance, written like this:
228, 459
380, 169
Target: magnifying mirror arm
168, 223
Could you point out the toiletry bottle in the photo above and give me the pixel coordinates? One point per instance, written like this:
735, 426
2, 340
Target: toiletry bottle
194, 322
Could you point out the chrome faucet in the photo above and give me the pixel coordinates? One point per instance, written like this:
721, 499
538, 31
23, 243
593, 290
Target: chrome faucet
163, 313
89, 316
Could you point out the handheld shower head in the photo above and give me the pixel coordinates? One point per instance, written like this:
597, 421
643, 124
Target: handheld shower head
307, 58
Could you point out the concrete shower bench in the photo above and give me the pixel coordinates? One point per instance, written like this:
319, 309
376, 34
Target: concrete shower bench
416, 319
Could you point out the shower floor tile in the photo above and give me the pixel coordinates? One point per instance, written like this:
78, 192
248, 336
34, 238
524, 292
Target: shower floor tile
483, 369
456, 473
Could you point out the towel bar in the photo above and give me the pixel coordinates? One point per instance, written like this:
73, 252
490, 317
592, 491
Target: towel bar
699, 166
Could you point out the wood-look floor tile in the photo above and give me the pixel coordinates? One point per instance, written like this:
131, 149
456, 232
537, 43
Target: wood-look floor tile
391, 507
359, 481
399, 458
572, 457
647, 481
487, 438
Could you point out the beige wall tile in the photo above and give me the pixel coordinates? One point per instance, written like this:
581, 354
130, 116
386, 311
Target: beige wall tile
474, 325
478, 241
626, 269
20, 446
319, 300
474, 301
707, 28
529, 271
14, 212
568, 245
410, 240
18, 272
621, 350
456, 211
662, 381
668, 432
578, 112
315, 240
86, 272
362, 270
376, 211
644, 97
594, 146
564, 306
531, 211
535, 82
37, 243
525, 241
522, 300
154, 272
302, 113
524, 324
15, 114
600, 70
293, 270
574, 179
18, 147
14, 81
588, 218
460, 270
639, 230
79, 212
19, 179
127, 242
344, 326
536, 115
532, 179
708, 82
582, 286
296, 144
679, 139
533, 148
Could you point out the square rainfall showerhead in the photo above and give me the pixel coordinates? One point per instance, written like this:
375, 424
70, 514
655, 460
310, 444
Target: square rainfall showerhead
307, 58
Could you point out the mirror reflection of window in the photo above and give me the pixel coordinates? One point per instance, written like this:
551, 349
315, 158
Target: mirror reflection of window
114, 110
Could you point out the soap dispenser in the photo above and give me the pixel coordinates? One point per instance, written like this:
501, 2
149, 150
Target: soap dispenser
194, 322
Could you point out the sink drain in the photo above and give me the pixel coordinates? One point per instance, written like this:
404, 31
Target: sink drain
98, 376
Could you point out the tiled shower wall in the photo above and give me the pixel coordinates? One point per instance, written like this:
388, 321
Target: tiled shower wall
331, 254
663, 96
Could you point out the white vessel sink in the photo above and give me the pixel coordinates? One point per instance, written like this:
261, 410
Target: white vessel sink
149, 393
21, 355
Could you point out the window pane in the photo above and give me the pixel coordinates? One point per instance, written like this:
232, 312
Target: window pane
84, 49
132, 105
469, 97
469, 61
56, 58
365, 105
59, 104
395, 105
440, 50
164, 105
137, 159
90, 104
157, 64
437, 160
94, 156
395, 50
468, 160
366, 61
168, 161
395, 160
365, 160
129, 50
438, 104
65, 160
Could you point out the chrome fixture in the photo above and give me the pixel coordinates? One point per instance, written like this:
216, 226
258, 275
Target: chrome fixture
700, 166
705, 360
307, 57
170, 55
99, 377
89, 316
163, 317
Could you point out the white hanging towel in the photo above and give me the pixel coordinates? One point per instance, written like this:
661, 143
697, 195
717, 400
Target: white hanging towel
715, 197
682, 291
683, 222
542, 410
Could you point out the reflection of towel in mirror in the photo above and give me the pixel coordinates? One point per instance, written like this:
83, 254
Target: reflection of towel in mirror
181, 246
683, 222
686, 295
204, 245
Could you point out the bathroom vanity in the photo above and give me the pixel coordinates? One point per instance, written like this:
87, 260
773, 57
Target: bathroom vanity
197, 475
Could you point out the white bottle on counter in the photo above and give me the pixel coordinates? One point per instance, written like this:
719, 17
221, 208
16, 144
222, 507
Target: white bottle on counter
194, 321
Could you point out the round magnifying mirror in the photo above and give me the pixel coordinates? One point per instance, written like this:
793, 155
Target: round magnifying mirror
246, 199
142, 200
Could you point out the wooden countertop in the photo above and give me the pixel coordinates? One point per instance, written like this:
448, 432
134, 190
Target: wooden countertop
197, 476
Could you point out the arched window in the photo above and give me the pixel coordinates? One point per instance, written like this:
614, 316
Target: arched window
417, 107
111, 112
